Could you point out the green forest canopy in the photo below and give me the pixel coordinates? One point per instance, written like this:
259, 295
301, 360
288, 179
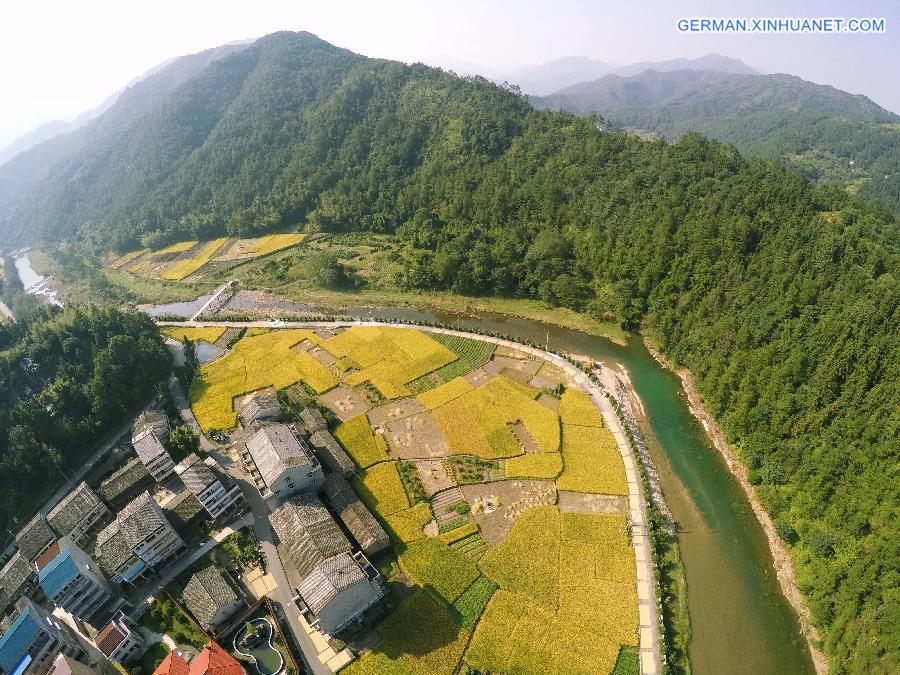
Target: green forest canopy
780, 296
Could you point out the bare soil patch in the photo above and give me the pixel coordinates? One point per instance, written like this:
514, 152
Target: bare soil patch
239, 402
478, 377
395, 410
345, 402
549, 401
415, 436
579, 502
434, 475
525, 440
499, 363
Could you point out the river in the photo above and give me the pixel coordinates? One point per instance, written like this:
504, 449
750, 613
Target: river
35, 283
741, 622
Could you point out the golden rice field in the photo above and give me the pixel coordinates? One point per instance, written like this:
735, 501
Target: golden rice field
406, 526
381, 489
435, 566
184, 268
568, 578
207, 334
255, 363
127, 258
364, 447
542, 466
445, 393
253, 248
477, 422
179, 247
576, 407
591, 461
388, 357
418, 638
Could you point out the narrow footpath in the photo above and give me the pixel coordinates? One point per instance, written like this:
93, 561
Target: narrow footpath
649, 639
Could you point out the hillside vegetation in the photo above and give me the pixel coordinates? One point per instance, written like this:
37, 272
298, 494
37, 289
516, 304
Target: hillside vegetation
827, 134
780, 296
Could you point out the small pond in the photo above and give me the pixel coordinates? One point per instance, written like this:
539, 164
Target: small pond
206, 351
268, 659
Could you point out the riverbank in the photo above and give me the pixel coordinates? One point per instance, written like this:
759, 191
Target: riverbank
781, 560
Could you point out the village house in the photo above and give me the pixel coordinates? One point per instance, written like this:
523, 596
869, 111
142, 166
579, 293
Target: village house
79, 514
119, 640
336, 585
154, 420
72, 581
66, 665
260, 407
17, 578
125, 483
212, 660
331, 453
35, 537
280, 463
359, 521
313, 419
31, 644
153, 454
210, 598
218, 494
115, 557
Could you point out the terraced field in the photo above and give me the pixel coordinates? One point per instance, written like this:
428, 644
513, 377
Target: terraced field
186, 258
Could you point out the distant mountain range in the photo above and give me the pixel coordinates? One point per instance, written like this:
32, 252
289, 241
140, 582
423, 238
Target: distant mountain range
552, 76
826, 133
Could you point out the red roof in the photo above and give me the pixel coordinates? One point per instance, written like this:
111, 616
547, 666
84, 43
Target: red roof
214, 660
109, 638
47, 556
173, 665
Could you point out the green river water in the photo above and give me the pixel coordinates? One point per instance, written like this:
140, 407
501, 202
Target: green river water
741, 621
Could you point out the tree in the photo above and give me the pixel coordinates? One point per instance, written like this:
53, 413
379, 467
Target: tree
325, 270
183, 441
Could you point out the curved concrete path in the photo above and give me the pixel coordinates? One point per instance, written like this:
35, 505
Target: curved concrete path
648, 617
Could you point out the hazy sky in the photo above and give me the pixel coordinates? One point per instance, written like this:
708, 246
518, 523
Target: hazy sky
60, 58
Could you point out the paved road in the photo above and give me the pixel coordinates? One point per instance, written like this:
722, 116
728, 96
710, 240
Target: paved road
646, 587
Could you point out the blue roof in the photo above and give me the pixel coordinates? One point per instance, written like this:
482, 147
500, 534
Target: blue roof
134, 570
14, 642
57, 573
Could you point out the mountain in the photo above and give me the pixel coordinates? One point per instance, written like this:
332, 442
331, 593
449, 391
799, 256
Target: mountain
19, 170
552, 76
781, 297
826, 133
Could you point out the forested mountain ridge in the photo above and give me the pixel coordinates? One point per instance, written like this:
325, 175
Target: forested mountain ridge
813, 128
781, 296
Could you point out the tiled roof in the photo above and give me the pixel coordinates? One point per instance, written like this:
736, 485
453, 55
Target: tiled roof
198, 475
57, 573
214, 660
109, 637
313, 419
257, 405
73, 509
112, 552
14, 576
148, 446
328, 579
274, 450
152, 419
173, 665
331, 453
125, 479
34, 537
308, 532
206, 593
47, 556
367, 531
140, 518
65, 665
18, 636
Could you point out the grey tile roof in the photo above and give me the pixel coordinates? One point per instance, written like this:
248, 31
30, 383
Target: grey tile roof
308, 532
73, 509
275, 449
331, 453
126, 479
140, 518
362, 525
313, 419
148, 446
328, 579
111, 551
206, 593
259, 404
14, 576
34, 537
156, 420
197, 476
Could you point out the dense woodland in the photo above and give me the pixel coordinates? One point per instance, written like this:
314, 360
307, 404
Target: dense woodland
781, 297
828, 135
66, 378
